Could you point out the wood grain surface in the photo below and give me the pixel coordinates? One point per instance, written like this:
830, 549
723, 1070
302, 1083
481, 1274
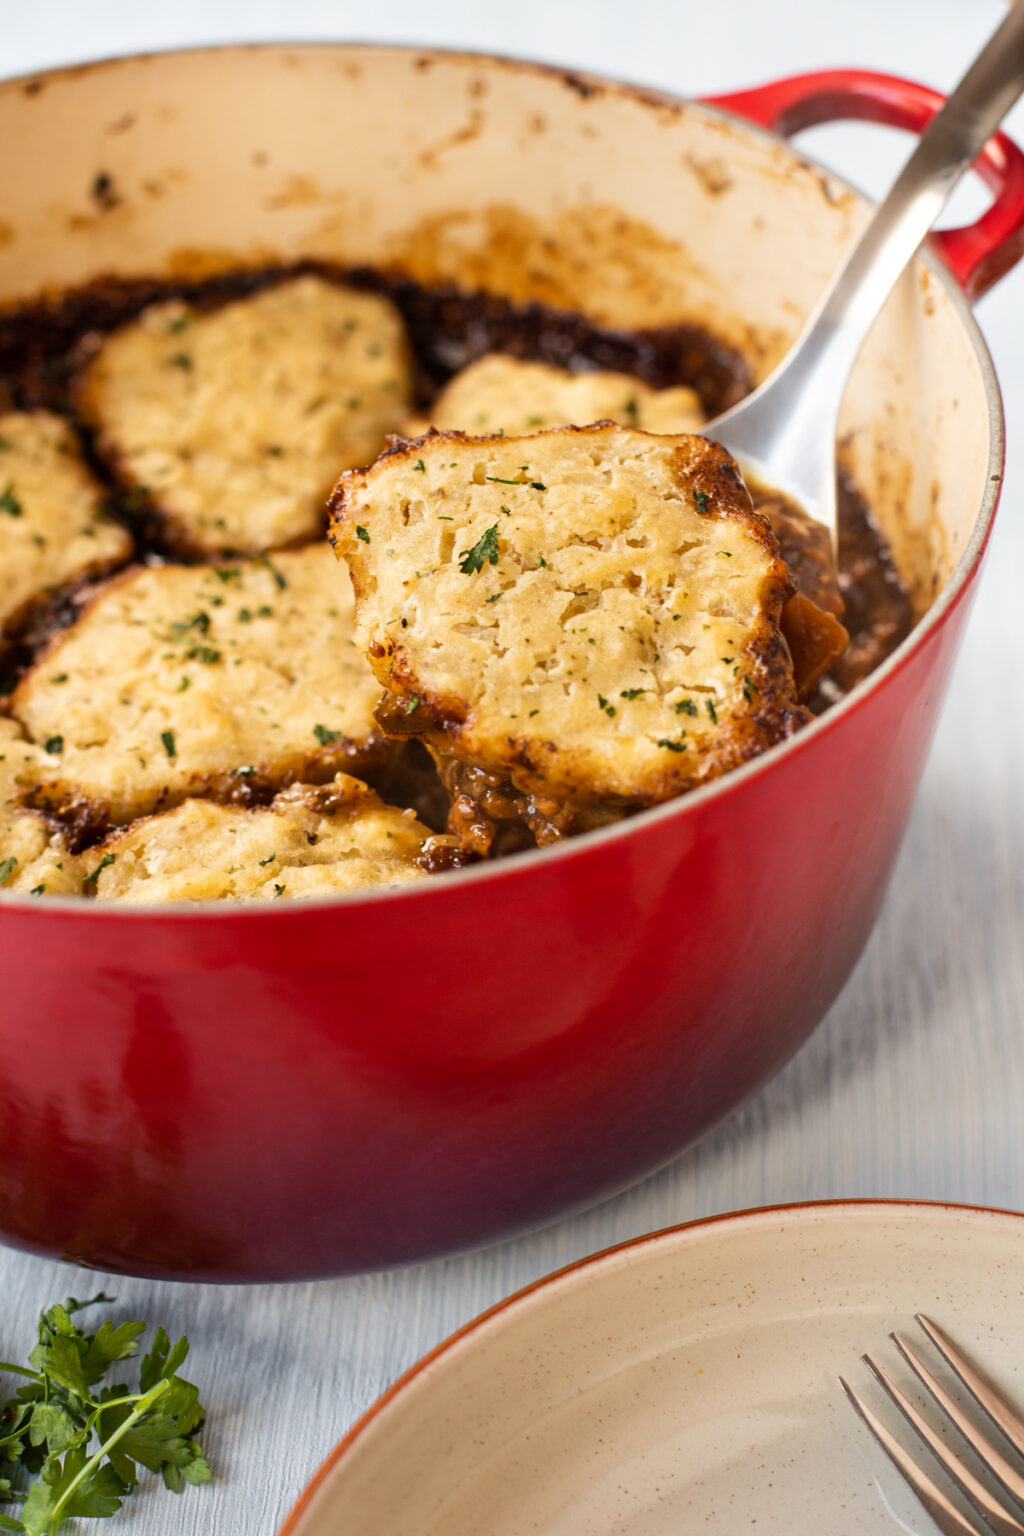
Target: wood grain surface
914, 1084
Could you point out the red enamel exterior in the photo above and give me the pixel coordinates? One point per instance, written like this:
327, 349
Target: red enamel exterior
307, 1090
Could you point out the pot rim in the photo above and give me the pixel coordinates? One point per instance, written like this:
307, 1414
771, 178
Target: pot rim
734, 781
526, 1295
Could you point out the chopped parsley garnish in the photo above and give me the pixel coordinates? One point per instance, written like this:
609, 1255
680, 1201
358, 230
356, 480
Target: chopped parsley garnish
413, 704
420, 467
727, 661
180, 360
749, 689
178, 324
672, 746
609, 709
84, 1441
7, 868
279, 580
700, 500
245, 615
227, 572
686, 707
54, 744
325, 736
279, 890
167, 737
711, 711
186, 682
362, 534
485, 549
505, 510
93, 876
268, 860
535, 485
199, 621
9, 503
632, 693
59, 677
494, 597
37, 890
207, 654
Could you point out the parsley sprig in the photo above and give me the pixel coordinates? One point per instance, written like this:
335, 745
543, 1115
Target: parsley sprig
82, 1444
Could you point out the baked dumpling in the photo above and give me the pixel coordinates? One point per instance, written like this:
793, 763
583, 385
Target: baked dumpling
309, 841
233, 425
225, 681
34, 858
53, 527
507, 394
578, 624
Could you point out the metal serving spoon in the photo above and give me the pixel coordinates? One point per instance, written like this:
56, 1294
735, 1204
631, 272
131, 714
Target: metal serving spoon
785, 432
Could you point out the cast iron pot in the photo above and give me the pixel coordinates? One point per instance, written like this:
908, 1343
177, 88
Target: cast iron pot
240, 1093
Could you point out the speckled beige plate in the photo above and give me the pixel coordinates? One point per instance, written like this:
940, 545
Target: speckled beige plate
683, 1382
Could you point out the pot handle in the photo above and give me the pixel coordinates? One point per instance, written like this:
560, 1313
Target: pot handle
977, 254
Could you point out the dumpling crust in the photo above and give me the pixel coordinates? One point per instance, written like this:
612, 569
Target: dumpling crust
234, 424
53, 528
309, 841
226, 681
592, 613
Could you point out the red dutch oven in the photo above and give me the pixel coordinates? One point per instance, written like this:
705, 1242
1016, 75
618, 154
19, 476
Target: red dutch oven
239, 1093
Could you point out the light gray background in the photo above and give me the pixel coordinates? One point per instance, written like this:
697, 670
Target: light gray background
913, 1085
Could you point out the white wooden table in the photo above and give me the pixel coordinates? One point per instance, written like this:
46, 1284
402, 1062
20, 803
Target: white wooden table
914, 1084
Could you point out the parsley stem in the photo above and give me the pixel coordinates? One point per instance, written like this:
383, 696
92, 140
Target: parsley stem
143, 1405
19, 1370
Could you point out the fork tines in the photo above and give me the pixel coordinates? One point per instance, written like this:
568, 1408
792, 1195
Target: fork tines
948, 1519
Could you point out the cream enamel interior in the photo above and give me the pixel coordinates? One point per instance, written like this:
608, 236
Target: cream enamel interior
637, 210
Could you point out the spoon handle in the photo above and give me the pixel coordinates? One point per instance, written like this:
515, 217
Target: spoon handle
786, 428
946, 149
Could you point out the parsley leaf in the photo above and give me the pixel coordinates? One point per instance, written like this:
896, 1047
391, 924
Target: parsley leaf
93, 876
700, 501
361, 534
7, 868
84, 1445
9, 503
325, 736
485, 549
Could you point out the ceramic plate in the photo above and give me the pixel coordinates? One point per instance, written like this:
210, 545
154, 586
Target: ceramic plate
684, 1382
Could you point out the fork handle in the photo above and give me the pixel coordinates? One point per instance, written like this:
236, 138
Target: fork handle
978, 254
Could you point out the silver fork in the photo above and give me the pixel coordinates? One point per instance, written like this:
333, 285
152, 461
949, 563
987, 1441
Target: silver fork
950, 1522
